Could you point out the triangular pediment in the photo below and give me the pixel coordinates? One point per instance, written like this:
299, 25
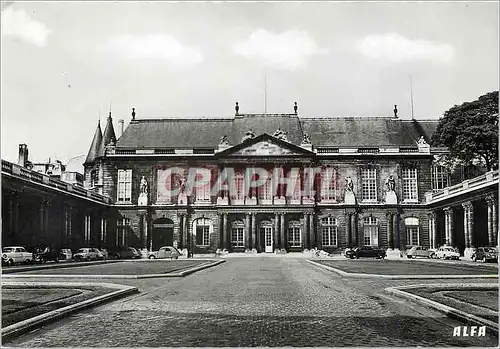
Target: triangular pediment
265, 145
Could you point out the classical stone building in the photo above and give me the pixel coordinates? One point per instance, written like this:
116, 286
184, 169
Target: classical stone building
371, 177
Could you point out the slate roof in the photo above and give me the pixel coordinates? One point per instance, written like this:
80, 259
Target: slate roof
109, 133
95, 147
329, 131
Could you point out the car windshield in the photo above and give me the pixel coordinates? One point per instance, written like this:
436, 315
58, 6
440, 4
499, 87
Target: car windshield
8, 249
82, 250
490, 250
449, 249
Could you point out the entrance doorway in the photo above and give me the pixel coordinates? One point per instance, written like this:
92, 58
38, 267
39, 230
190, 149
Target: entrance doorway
163, 233
266, 236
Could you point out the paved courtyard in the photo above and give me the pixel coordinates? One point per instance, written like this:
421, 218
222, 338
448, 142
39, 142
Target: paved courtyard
257, 302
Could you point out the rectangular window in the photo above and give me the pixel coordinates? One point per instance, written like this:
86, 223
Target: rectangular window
237, 236
410, 185
439, 177
329, 235
265, 190
122, 229
328, 184
370, 235
124, 186
412, 236
202, 235
239, 186
294, 237
369, 184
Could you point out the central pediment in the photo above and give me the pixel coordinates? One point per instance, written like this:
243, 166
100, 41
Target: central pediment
265, 145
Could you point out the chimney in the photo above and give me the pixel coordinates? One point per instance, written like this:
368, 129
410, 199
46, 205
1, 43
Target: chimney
23, 155
121, 122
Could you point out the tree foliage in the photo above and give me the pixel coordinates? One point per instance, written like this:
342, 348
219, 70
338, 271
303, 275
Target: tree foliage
470, 131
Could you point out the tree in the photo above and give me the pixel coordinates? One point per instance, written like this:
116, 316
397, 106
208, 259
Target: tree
470, 131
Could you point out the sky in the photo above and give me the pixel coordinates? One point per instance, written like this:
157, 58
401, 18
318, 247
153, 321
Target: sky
65, 65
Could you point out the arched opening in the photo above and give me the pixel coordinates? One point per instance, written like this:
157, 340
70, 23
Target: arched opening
163, 233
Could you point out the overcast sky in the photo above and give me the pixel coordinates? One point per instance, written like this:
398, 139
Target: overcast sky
62, 63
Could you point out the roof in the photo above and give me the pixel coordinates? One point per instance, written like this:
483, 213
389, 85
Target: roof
95, 146
109, 133
328, 131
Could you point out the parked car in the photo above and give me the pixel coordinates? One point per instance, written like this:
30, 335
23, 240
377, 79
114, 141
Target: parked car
48, 254
447, 252
16, 254
124, 252
87, 253
165, 252
65, 254
485, 254
418, 251
103, 253
365, 251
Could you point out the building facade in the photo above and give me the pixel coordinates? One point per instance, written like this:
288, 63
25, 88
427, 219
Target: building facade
273, 182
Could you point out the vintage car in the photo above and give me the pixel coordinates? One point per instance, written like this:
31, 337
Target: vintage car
447, 252
124, 252
66, 254
485, 254
48, 254
16, 254
87, 253
165, 252
365, 251
418, 251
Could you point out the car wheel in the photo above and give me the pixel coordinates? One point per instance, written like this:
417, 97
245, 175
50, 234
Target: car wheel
409, 256
474, 258
484, 259
152, 257
11, 262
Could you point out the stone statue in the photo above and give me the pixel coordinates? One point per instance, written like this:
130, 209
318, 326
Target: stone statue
349, 197
144, 185
248, 135
223, 140
390, 183
183, 184
421, 141
349, 185
237, 108
306, 139
280, 134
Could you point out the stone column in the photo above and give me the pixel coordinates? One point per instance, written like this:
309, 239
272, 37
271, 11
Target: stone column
276, 231
282, 230
145, 231
41, 226
254, 237
15, 230
396, 231
448, 211
224, 232
468, 223
348, 230
46, 221
354, 229
312, 231
247, 232
390, 236
304, 232
490, 201
432, 230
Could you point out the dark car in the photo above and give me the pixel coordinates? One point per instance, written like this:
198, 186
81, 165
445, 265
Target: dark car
124, 253
48, 254
485, 254
365, 251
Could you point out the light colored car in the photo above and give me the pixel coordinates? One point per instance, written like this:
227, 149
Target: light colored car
103, 253
87, 253
418, 251
16, 254
66, 254
165, 252
447, 252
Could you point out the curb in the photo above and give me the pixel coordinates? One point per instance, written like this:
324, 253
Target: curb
382, 276
208, 264
57, 266
43, 319
449, 311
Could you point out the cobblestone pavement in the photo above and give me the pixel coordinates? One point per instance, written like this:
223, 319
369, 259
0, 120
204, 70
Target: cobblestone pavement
257, 302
